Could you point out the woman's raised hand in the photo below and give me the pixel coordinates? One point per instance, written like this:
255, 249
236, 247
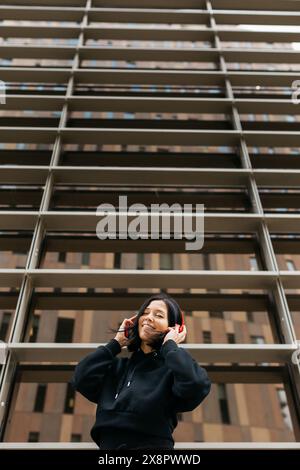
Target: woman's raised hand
173, 333
120, 336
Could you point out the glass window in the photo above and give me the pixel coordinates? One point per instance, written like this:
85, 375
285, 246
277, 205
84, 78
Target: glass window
4, 325
231, 338
33, 437
223, 403
206, 337
117, 260
34, 329
70, 398
257, 339
40, 398
284, 408
253, 263
166, 261
85, 258
64, 330
290, 265
140, 261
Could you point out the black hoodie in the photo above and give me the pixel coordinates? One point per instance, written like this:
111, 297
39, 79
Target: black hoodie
141, 393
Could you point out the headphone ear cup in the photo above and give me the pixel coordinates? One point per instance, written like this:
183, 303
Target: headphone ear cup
182, 322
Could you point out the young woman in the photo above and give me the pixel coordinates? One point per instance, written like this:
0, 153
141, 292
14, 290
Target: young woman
138, 396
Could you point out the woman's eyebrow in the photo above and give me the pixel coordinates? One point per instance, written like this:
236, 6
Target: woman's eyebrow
157, 310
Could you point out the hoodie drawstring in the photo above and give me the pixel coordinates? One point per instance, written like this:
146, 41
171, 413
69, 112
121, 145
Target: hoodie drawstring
131, 375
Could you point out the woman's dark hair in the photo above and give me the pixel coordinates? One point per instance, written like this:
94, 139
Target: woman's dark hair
174, 316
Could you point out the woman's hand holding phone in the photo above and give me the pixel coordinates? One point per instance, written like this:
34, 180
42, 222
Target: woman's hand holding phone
121, 336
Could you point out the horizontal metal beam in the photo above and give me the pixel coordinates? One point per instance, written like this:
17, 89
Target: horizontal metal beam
289, 5
121, 103
131, 301
273, 5
50, 3
19, 241
265, 106
148, 15
41, 31
258, 17
276, 225
35, 102
82, 198
143, 158
117, 301
21, 220
158, 278
274, 177
203, 353
23, 174
157, 54
33, 13
240, 35
11, 277
212, 244
150, 104
131, 136
86, 221
44, 51
144, 33
290, 279
185, 77
148, 77
165, 54
136, 15
213, 222
151, 15
156, 176
114, 278
180, 177
58, 75
199, 33
178, 137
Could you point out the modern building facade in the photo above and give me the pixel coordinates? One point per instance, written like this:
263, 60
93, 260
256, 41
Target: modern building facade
182, 102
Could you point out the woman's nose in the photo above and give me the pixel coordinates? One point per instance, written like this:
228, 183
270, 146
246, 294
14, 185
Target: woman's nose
150, 317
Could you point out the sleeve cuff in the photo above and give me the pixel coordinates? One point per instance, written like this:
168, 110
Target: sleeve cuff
113, 346
169, 345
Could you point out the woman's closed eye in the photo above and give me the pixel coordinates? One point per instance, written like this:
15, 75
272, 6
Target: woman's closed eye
157, 314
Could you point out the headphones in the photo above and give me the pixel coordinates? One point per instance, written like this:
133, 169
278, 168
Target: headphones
182, 322
126, 331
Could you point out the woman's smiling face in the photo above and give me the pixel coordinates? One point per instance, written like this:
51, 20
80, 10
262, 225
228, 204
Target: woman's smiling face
154, 320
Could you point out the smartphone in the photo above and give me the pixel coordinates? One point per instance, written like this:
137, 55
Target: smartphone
126, 331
